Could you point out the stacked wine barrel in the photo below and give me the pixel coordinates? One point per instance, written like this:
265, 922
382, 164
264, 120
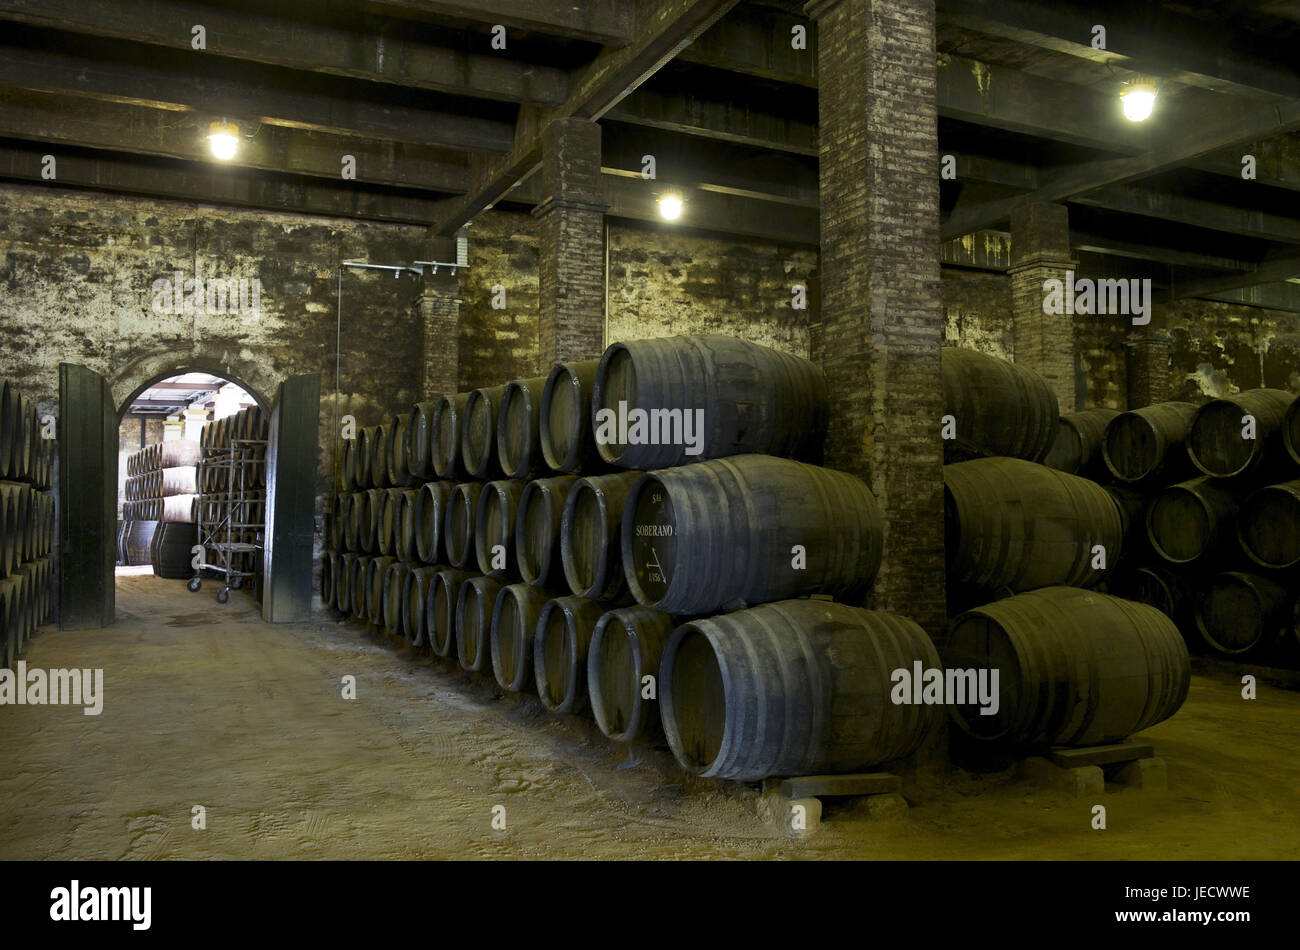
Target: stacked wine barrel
232, 480
161, 489
568, 534
27, 522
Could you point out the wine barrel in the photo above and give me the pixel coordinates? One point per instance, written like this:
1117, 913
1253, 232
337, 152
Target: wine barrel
343, 583
733, 397
626, 646
394, 598
478, 434
564, 419
368, 529
997, 408
514, 618
792, 688
1191, 522
1269, 525
404, 524
560, 645
171, 549
428, 515
537, 529
380, 456
1215, 439
388, 519
329, 569
357, 586
1076, 448
444, 441
419, 440
414, 602
347, 478
177, 508
440, 610
458, 530
10, 427
178, 453
1170, 593
399, 459
376, 598
1011, 523
364, 453
748, 529
494, 527
1291, 431
1076, 668
518, 449
10, 621
1239, 613
474, 609
1147, 445
139, 541
591, 537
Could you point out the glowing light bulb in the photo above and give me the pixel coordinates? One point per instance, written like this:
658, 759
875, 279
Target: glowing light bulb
670, 206
1138, 99
223, 139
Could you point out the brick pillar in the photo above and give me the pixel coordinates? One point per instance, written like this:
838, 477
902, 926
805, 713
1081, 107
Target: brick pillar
882, 321
571, 244
1040, 251
1147, 350
438, 310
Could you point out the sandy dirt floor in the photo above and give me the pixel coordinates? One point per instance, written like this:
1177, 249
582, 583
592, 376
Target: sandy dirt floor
206, 705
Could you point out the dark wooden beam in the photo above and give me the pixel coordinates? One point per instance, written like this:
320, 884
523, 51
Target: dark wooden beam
160, 87
1283, 267
608, 22
663, 30
717, 119
266, 37
755, 41
117, 127
212, 185
1194, 211
1145, 38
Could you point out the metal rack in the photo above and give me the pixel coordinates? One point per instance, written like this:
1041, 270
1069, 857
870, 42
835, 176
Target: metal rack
219, 534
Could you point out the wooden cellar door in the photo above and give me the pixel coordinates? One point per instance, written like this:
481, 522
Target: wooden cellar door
291, 500
87, 498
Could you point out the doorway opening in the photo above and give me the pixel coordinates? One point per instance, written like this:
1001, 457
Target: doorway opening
191, 484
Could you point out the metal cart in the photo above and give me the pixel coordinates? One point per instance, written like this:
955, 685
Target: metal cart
224, 530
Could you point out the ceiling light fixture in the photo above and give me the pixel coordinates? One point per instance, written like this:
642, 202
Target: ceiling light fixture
1139, 98
670, 205
223, 139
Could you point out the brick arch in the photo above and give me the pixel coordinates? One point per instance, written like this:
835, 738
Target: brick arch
141, 373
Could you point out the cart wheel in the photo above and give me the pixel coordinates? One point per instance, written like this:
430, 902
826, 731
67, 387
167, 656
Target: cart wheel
223, 595
237, 583
195, 583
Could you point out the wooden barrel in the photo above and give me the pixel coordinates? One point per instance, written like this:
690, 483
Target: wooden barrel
10, 427
139, 541
1239, 613
347, 474
474, 608
371, 512
478, 433
178, 453
381, 456
560, 644
537, 529
734, 397
591, 537
1215, 440
564, 424
1076, 668
329, 564
626, 647
458, 529
748, 529
394, 599
792, 688
1269, 525
404, 524
387, 515
494, 527
357, 586
428, 514
399, 463
997, 408
440, 610
376, 597
1132, 505
444, 441
179, 508
1147, 445
514, 618
365, 455
10, 621
1076, 448
1170, 593
1011, 523
1291, 431
335, 521
518, 426
170, 549
343, 583
1192, 522
419, 440
415, 599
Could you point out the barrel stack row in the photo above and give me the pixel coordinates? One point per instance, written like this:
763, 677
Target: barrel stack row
161, 490
1034, 545
581, 533
27, 522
